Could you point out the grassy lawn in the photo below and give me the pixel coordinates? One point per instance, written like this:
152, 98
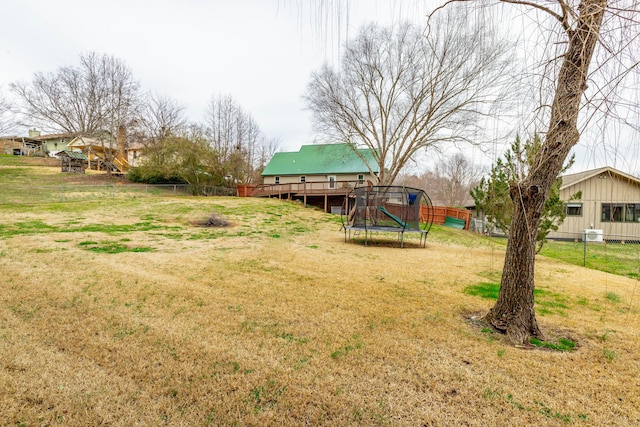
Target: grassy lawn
616, 258
123, 311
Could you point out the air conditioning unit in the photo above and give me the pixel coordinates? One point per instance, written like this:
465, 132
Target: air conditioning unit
592, 235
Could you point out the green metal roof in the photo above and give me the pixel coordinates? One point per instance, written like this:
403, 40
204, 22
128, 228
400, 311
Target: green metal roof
73, 154
320, 159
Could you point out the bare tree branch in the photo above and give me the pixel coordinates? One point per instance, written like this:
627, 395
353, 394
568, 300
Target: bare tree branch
588, 56
237, 138
161, 117
98, 95
7, 114
401, 92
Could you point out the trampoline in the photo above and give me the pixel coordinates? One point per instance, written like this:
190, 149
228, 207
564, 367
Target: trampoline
387, 209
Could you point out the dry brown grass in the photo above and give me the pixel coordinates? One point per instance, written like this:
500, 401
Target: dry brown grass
277, 321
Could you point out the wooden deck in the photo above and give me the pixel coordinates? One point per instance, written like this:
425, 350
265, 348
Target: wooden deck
331, 194
325, 194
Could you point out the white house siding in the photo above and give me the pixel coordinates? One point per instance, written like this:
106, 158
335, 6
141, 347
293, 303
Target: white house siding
603, 188
295, 179
134, 156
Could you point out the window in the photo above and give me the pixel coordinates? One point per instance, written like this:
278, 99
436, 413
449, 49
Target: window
632, 212
612, 212
620, 212
277, 180
332, 181
361, 179
303, 179
573, 209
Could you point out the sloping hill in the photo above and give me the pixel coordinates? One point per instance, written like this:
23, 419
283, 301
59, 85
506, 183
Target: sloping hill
130, 314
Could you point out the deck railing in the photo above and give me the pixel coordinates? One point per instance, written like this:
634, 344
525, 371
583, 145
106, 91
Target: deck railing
321, 187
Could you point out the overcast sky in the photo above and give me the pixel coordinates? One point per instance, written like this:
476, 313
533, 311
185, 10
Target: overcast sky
261, 52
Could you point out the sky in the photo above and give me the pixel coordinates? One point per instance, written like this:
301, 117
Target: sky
261, 52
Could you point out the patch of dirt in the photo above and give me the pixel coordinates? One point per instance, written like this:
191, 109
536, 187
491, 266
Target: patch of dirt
475, 318
214, 220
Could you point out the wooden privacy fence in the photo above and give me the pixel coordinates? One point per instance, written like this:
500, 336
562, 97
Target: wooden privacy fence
244, 190
440, 214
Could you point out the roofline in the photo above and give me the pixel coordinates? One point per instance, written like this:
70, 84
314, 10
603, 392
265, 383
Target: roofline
16, 138
367, 172
361, 153
55, 136
596, 172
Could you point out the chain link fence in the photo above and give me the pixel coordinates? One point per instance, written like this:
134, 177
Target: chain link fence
595, 249
614, 253
484, 227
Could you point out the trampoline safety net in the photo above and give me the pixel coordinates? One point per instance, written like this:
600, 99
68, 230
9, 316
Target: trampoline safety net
392, 209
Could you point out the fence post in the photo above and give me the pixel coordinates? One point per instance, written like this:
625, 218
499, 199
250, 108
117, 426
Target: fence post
584, 254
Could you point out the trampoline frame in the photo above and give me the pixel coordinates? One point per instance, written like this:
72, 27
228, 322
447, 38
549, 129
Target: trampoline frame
387, 209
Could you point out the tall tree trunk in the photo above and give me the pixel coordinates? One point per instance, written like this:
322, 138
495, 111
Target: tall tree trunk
514, 312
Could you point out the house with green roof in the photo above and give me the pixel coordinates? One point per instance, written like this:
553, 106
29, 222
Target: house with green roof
334, 164
320, 175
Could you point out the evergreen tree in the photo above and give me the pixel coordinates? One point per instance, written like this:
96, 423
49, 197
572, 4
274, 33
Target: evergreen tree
493, 194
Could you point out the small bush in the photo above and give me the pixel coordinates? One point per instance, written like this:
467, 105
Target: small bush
149, 175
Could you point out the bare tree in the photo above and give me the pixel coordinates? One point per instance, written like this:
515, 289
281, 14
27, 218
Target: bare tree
453, 179
7, 114
98, 95
236, 137
266, 149
223, 119
577, 31
581, 26
161, 117
399, 91
448, 183
97, 98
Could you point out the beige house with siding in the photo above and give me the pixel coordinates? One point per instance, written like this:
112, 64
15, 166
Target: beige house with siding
609, 205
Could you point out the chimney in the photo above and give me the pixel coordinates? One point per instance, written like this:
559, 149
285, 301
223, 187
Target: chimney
34, 133
122, 143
